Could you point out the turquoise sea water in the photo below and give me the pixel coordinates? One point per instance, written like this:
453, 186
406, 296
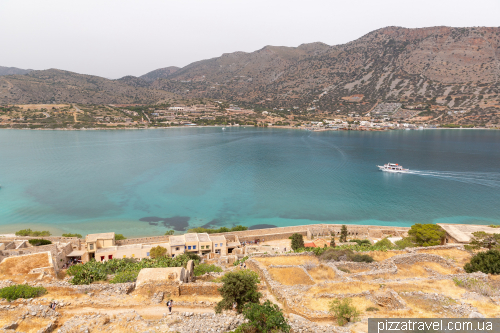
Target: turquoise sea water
144, 182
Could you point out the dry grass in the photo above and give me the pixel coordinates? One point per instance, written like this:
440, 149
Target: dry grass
425, 308
345, 288
489, 309
323, 304
23, 264
443, 287
290, 276
41, 106
287, 260
412, 270
63, 293
460, 257
383, 255
322, 273
354, 270
32, 325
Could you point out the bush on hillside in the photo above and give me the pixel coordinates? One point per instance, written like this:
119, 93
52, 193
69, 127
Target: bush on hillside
31, 233
39, 242
169, 232
482, 239
384, 243
426, 234
126, 276
72, 235
486, 262
361, 258
157, 252
21, 291
297, 241
206, 268
265, 318
361, 242
404, 243
344, 311
98, 271
119, 237
239, 287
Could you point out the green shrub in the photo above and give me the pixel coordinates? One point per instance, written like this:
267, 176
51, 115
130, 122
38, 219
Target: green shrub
404, 243
297, 241
486, 262
206, 268
98, 271
239, 287
120, 237
21, 291
494, 226
157, 252
193, 256
31, 233
169, 233
126, 276
72, 235
39, 242
384, 243
345, 270
264, 318
372, 308
344, 311
426, 234
335, 254
361, 242
476, 285
362, 258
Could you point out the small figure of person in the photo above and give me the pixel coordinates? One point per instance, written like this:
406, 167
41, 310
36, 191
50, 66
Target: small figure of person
169, 304
234, 306
244, 265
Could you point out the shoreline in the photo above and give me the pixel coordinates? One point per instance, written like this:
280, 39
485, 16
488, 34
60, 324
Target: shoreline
249, 126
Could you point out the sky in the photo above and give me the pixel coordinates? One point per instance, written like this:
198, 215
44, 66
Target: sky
114, 38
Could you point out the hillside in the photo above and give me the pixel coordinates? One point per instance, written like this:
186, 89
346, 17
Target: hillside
57, 86
449, 74
13, 71
161, 73
441, 66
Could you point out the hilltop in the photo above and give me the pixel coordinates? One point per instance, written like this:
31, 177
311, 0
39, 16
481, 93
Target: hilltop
13, 71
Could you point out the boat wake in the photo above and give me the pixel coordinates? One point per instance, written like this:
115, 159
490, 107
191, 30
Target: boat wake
490, 179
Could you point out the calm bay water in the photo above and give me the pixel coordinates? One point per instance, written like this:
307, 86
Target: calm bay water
144, 182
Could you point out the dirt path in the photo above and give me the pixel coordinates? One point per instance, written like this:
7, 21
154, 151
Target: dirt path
145, 311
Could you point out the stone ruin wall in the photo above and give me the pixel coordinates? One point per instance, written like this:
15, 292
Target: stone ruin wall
57, 252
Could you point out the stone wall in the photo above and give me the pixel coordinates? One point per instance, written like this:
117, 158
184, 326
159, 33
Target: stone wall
204, 288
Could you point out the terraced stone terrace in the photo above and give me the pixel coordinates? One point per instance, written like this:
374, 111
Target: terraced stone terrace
418, 282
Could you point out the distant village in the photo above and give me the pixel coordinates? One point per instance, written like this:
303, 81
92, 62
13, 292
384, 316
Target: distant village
383, 116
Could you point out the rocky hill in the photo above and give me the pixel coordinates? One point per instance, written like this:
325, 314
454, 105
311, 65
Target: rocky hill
161, 73
441, 66
57, 86
439, 69
13, 71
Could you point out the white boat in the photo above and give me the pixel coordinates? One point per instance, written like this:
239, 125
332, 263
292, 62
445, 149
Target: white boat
392, 167
223, 128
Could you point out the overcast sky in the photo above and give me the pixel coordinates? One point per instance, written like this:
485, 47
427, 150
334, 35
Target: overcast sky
114, 38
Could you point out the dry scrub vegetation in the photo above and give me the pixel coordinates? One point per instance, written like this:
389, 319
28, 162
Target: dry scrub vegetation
383, 255
322, 303
23, 264
290, 276
322, 273
417, 269
287, 260
344, 288
460, 257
